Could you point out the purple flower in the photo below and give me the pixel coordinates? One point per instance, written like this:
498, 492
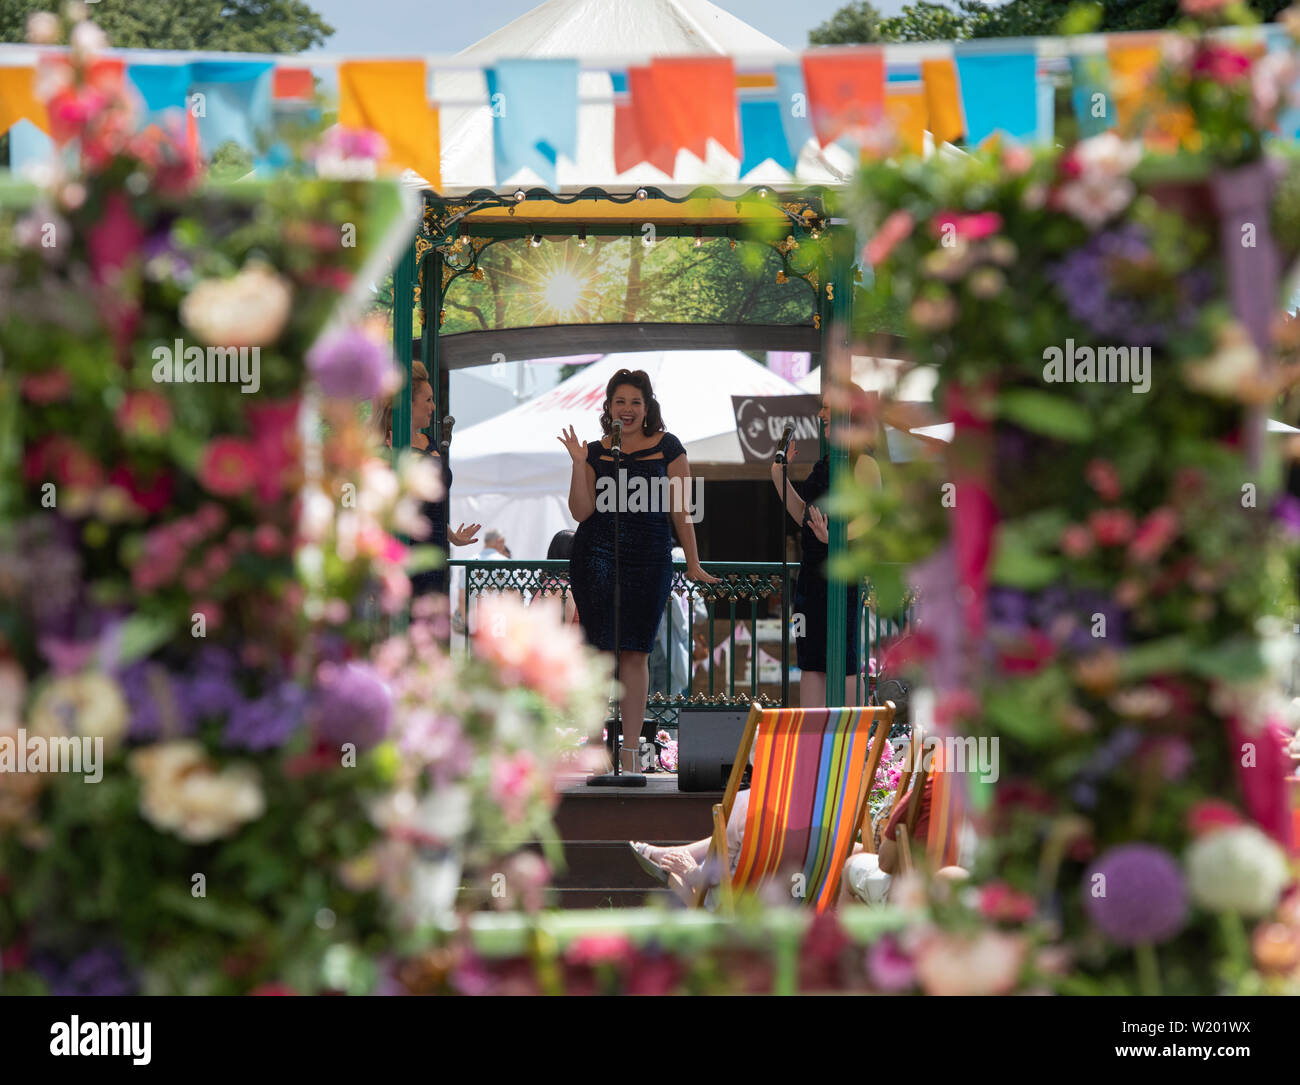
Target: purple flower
349, 364
889, 966
156, 702
1287, 513
1135, 894
351, 704
100, 971
211, 689
267, 722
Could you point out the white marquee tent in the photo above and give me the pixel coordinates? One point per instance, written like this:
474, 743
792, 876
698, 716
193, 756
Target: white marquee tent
594, 30
511, 473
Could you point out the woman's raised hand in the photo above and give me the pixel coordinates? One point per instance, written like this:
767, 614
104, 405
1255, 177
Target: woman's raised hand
577, 449
463, 535
818, 523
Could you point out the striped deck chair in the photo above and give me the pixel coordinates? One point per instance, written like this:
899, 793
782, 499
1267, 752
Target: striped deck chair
812, 770
941, 838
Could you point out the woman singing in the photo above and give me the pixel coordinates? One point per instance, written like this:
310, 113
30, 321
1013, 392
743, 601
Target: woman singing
645, 538
811, 590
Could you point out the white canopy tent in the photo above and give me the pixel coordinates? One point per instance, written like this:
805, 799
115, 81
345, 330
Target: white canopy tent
593, 30
511, 474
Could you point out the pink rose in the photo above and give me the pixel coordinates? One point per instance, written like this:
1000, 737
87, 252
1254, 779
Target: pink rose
1111, 527
1155, 533
1076, 541
1103, 478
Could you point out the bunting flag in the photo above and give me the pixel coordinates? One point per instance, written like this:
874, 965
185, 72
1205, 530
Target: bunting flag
654, 140
1093, 107
697, 98
231, 100
535, 111
18, 99
999, 94
163, 88
1133, 61
792, 97
391, 97
905, 108
29, 147
942, 102
763, 135
629, 151
846, 90
293, 83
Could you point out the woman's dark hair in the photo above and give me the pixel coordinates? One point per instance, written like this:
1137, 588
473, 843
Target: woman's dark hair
561, 548
640, 380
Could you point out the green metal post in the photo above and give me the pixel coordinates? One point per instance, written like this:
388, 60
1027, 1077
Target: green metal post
836, 332
403, 333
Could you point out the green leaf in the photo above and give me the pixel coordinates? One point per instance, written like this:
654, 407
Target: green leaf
1018, 565
890, 586
1154, 657
141, 634
422, 558
1235, 660
1042, 412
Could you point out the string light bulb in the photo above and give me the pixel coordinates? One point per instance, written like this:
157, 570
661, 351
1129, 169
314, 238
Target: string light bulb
535, 240
699, 236
582, 237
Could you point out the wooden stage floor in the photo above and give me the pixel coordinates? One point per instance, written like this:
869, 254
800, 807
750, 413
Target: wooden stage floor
596, 823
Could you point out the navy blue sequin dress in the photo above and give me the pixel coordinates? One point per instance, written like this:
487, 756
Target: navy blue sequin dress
645, 554
811, 590
435, 580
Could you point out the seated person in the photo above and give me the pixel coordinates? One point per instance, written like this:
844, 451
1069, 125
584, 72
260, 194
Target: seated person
681, 868
867, 875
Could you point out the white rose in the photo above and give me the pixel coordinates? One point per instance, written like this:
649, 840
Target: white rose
88, 705
1239, 870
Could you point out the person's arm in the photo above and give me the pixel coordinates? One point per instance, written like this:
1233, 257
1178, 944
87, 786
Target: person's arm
582, 480
680, 469
793, 502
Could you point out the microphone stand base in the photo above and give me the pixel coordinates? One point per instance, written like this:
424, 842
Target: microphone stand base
619, 779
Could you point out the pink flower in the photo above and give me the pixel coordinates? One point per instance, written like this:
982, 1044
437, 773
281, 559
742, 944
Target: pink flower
897, 227
514, 779
1029, 655
1076, 541
1103, 478
1111, 527
1155, 533
267, 539
211, 611
275, 438
998, 901
144, 414
965, 227
591, 949
987, 963
211, 516
1221, 63
229, 467
49, 387
150, 494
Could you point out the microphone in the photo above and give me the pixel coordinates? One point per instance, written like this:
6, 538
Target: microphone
783, 446
618, 434
445, 443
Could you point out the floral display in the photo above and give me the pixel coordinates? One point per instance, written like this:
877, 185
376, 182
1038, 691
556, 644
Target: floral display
1104, 553
200, 543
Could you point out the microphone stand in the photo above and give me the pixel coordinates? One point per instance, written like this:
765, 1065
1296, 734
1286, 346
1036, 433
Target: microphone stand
785, 583
618, 778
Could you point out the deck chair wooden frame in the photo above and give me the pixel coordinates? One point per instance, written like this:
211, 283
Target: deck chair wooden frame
882, 716
915, 744
938, 846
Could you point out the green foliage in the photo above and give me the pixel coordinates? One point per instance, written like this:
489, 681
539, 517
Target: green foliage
233, 26
229, 162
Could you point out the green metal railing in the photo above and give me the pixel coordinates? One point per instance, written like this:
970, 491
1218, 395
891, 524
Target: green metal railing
750, 592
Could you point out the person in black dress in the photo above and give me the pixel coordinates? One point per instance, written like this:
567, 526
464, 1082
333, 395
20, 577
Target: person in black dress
645, 537
812, 590
429, 581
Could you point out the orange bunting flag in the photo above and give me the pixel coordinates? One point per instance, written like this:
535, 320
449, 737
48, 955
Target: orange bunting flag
391, 97
906, 112
292, 83
1140, 107
641, 129
697, 98
942, 102
18, 99
846, 90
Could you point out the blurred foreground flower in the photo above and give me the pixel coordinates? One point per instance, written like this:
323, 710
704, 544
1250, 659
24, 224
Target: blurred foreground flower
182, 792
86, 705
1237, 870
1135, 894
351, 364
248, 310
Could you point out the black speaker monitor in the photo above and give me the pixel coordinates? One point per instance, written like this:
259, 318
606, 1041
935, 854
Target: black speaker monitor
707, 740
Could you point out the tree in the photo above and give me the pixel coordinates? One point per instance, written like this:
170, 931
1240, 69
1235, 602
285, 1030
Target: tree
926, 21
234, 26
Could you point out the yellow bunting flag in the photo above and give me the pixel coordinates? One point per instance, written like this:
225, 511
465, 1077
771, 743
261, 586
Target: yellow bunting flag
391, 98
942, 102
906, 112
1139, 102
18, 99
